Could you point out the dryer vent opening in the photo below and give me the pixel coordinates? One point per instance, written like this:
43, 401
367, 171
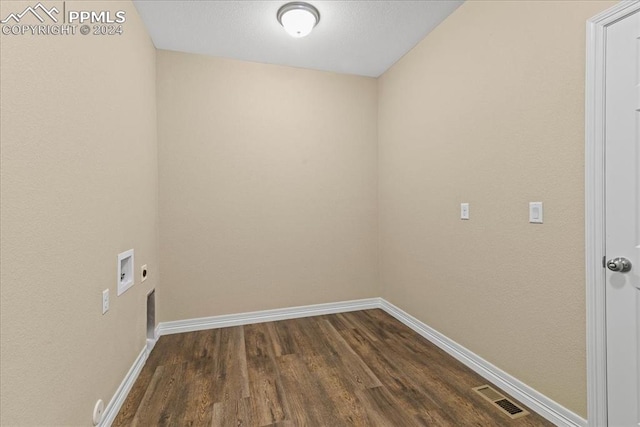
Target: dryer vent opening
151, 315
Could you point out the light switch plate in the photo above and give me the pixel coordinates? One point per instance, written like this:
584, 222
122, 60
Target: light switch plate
535, 213
105, 301
464, 210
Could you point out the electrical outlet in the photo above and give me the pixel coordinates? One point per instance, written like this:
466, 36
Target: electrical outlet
535, 213
105, 301
144, 273
98, 412
464, 210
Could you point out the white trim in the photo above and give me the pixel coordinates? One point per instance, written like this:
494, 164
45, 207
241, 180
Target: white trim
594, 208
227, 320
123, 390
529, 397
151, 342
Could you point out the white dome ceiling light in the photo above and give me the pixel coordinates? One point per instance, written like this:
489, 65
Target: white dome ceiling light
298, 18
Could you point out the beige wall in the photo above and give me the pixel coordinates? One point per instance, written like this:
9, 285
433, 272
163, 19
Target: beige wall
268, 190
78, 186
488, 109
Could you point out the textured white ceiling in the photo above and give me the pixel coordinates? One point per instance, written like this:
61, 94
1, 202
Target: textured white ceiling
353, 37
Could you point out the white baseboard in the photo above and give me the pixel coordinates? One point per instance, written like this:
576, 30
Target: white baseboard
529, 397
151, 342
227, 320
547, 408
112, 409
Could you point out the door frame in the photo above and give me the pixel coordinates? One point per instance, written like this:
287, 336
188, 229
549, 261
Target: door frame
595, 208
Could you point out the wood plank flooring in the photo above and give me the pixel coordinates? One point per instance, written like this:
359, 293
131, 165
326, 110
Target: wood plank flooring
361, 368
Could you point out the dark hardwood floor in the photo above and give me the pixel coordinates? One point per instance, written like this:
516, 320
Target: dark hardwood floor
353, 369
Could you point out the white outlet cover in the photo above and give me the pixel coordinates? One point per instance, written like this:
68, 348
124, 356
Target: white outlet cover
98, 410
535, 213
105, 301
464, 210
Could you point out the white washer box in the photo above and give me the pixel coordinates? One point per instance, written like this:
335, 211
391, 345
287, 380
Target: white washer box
125, 271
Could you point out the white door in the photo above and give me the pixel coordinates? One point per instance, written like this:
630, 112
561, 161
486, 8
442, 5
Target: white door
622, 216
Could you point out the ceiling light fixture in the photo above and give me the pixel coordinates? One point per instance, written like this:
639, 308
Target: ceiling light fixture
298, 18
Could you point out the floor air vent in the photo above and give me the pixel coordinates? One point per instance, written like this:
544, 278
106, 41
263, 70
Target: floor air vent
508, 407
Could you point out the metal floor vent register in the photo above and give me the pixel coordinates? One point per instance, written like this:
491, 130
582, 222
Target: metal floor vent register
504, 404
